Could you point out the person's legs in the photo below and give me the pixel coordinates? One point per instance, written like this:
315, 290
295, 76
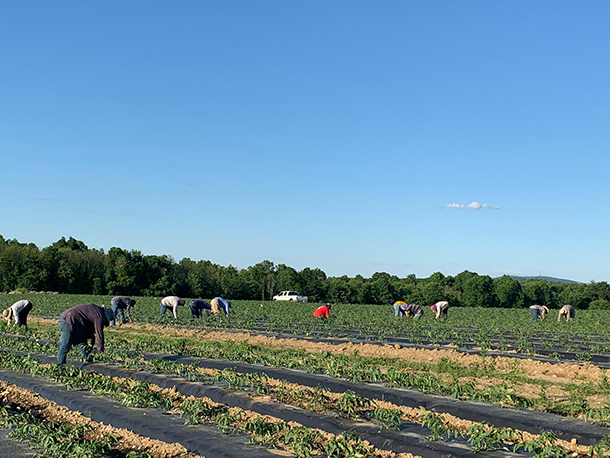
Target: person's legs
114, 306
396, 310
162, 310
195, 313
23, 317
84, 349
535, 313
121, 314
64, 341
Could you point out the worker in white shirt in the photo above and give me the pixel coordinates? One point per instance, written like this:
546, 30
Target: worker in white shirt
170, 302
440, 309
18, 312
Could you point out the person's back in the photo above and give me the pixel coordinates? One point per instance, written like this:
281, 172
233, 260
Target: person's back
414, 310
322, 311
220, 303
122, 301
566, 313
79, 324
171, 301
440, 309
539, 311
197, 305
85, 321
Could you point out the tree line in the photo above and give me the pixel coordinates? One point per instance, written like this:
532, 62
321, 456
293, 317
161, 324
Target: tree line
69, 266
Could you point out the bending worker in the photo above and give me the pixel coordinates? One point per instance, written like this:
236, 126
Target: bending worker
18, 312
122, 305
79, 324
539, 311
322, 311
170, 302
219, 303
197, 306
411, 310
440, 309
566, 313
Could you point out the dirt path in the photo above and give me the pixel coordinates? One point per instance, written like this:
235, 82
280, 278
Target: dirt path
553, 372
557, 373
127, 440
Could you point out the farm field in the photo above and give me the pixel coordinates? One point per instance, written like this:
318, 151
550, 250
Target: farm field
272, 381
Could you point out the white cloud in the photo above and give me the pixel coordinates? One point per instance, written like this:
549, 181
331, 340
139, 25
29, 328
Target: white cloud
472, 206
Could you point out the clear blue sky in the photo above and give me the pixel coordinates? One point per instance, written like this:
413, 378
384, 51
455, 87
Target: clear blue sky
345, 135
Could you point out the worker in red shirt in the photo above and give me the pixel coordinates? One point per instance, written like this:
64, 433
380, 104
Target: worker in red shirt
322, 311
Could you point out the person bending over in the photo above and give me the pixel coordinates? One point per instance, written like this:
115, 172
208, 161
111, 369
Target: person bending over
78, 325
440, 309
170, 302
566, 313
199, 305
122, 305
18, 312
539, 311
410, 310
323, 311
217, 304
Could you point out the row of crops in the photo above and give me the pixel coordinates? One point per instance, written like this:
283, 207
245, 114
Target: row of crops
318, 403
587, 338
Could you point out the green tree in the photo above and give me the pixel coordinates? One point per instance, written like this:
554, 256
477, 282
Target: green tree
287, 279
313, 284
479, 292
509, 292
262, 279
599, 304
576, 295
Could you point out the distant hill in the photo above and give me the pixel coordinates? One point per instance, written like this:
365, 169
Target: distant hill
542, 277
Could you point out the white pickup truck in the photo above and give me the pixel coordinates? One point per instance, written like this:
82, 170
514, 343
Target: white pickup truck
290, 296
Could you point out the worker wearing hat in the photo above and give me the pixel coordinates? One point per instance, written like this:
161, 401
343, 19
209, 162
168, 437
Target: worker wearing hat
539, 311
440, 309
18, 312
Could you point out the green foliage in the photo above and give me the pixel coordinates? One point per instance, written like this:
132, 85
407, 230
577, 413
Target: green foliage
389, 418
599, 304
69, 266
56, 440
353, 406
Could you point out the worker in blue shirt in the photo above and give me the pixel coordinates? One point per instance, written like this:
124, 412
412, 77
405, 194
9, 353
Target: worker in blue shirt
197, 306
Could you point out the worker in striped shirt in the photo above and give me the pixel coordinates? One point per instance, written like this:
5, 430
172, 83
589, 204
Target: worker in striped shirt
411, 310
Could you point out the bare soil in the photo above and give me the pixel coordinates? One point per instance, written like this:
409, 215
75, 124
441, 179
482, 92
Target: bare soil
553, 372
127, 440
